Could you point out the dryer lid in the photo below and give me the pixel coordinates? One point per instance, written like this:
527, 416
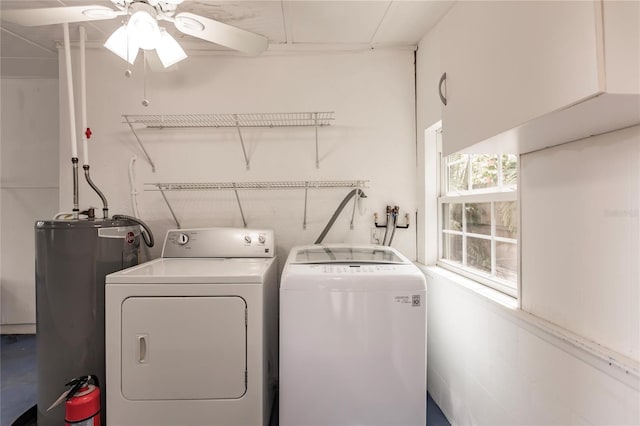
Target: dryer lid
342, 253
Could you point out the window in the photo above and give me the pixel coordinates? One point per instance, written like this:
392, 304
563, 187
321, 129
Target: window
479, 218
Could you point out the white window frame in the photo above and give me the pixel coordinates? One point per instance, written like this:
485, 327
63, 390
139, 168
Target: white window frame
492, 195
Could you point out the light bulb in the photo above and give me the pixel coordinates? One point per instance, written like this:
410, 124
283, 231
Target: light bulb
143, 28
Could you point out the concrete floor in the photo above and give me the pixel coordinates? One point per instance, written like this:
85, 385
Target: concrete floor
19, 381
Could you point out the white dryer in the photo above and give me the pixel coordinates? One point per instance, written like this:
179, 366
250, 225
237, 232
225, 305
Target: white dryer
191, 337
352, 338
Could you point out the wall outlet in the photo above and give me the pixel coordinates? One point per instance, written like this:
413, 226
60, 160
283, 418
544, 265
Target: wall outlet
376, 235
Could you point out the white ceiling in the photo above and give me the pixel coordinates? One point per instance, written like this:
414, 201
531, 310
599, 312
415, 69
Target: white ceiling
287, 24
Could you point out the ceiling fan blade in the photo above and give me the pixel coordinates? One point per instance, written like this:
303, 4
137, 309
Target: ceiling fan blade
59, 15
219, 33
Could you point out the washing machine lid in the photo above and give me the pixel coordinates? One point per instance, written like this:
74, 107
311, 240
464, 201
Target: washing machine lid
196, 270
346, 253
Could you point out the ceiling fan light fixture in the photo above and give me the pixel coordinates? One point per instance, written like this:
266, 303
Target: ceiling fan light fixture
187, 24
123, 45
168, 50
143, 28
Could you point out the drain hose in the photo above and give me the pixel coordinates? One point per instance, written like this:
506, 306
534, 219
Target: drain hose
344, 202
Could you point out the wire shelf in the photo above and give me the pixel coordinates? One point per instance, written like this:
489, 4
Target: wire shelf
277, 119
279, 185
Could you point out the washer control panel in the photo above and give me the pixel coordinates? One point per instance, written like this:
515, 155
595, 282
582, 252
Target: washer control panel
219, 242
355, 269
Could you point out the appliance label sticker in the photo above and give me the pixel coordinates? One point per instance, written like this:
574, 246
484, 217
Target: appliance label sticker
402, 299
408, 300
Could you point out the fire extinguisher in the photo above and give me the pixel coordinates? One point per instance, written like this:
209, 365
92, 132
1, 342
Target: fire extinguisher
82, 402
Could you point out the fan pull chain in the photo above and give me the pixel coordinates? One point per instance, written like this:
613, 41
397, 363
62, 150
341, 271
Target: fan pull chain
127, 72
145, 101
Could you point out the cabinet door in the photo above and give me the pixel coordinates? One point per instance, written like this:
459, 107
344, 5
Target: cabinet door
509, 62
622, 45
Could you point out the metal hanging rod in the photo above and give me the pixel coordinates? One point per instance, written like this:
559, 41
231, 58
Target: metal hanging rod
237, 186
238, 121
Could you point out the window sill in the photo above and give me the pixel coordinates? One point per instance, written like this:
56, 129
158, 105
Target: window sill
606, 360
492, 294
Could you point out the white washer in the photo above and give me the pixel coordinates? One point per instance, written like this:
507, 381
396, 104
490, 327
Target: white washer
191, 337
352, 338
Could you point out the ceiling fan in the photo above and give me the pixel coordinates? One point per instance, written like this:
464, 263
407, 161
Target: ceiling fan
141, 29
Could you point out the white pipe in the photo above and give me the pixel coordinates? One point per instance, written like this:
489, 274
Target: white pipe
72, 120
132, 186
83, 96
72, 110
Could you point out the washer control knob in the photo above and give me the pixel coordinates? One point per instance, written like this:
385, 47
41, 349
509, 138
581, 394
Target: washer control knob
183, 239
247, 239
261, 239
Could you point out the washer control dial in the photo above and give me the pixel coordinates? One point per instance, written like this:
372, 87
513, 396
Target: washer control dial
183, 239
261, 239
247, 239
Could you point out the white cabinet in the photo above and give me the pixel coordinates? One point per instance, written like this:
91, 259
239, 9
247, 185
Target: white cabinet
543, 72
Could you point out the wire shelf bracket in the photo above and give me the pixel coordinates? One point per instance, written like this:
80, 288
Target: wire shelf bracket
239, 121
241, 186
144, 151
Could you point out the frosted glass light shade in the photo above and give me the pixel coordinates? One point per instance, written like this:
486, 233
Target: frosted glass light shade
144, 29
168, 50
123, 45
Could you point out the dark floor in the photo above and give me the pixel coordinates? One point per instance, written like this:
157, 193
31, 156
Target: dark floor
18, 380
17, 376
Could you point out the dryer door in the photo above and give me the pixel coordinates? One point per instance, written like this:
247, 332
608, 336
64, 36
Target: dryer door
184, 348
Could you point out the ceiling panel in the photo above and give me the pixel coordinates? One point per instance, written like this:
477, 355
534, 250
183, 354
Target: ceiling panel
19, 41
406, 22
339, 22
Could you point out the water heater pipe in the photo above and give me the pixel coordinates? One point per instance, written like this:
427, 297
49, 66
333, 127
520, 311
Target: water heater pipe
72, 119
83, 96
86, 134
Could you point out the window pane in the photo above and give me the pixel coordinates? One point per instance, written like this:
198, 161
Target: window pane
457, 170
507, 261
479, 254
478, 217
484, 171
509, 169
452, 247
452, 217
506, 219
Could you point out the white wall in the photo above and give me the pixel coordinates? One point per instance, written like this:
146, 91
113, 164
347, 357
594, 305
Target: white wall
372, 138
580, 237
28, 185
488, 366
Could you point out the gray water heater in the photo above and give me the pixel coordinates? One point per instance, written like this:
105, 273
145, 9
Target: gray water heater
72, 259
